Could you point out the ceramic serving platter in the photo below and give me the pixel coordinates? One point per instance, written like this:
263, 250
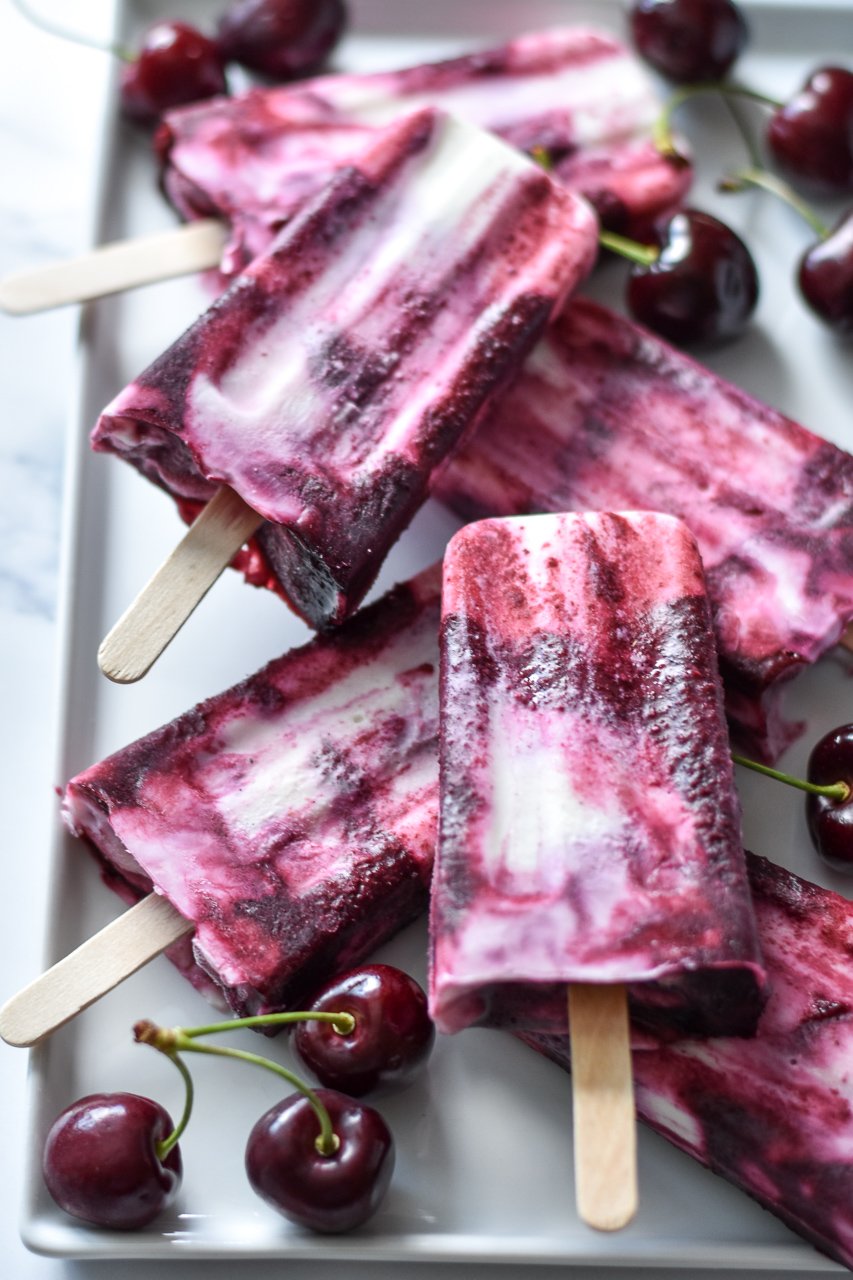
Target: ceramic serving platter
484, 1140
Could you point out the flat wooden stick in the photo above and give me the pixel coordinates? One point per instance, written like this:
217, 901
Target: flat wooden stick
125, 264
605, 1125
98, 965
846, 640
164, 604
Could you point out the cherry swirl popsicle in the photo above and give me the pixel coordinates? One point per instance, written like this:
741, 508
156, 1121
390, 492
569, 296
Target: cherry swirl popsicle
254, 159
331, 378
606, 415
589, 829
292, 818
773, 1113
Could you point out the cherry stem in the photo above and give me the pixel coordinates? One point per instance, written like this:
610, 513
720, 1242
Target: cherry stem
175, 1040
146, 1033
662, 132
64, 33
834, 791
343, 1023
758, 177
644, 254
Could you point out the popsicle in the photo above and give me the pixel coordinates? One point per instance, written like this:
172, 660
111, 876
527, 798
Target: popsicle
325, 385
589, 829
577, 93
774, 1113
290, 820
605, 416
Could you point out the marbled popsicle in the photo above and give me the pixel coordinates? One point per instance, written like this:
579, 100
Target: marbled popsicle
589, 827
774, 1113
608, 416
331, 378
291, 819
577, 93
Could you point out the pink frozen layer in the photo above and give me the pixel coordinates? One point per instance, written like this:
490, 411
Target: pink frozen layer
332, 376
291, 819
589, 826
607, 416
772, 1114
582, 96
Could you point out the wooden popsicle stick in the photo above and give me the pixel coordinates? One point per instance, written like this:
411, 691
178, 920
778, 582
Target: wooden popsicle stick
846, 640
164, 604
98, 964
605, 1124
110, 268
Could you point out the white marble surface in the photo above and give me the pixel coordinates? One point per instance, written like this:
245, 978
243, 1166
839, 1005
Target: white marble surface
50, 96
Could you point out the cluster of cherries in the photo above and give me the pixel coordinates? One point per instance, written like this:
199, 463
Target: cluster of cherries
177, 63
321, 1157
701, 286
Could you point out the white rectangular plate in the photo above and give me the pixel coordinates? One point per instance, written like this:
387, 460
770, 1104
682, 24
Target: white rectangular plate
484, 1141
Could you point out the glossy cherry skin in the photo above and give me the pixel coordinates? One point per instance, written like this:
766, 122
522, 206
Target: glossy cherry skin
176, 65
688, 40
826, 277
704, 286
392, 1039
811, 137
100, 1162
830, 822
281, 38
326, 1193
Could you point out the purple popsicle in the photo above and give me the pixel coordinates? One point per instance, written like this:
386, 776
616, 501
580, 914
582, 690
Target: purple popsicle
292, 818
332, 377
577, 93
607, 416
589, 828
773, 1114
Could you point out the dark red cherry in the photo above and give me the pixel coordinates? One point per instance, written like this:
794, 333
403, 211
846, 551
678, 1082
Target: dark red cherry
826, 276
281, 38
326, 1193
688, 40
176, 65
100, 1161
811, 137
390, 1043
830, 822
703, 287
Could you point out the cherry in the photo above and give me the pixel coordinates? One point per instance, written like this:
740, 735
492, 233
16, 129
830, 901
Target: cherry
281, 38
703, 287
826, 276
101, 1163
830, 822
688, 40
390, 1042
330, 1193
175, 65
811, 137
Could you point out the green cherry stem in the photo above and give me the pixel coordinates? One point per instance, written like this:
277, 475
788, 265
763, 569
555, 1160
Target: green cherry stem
644, 254
343, 1023
834, 791
65, 33
145, 1033
755, 176
173, 1041
662, 131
